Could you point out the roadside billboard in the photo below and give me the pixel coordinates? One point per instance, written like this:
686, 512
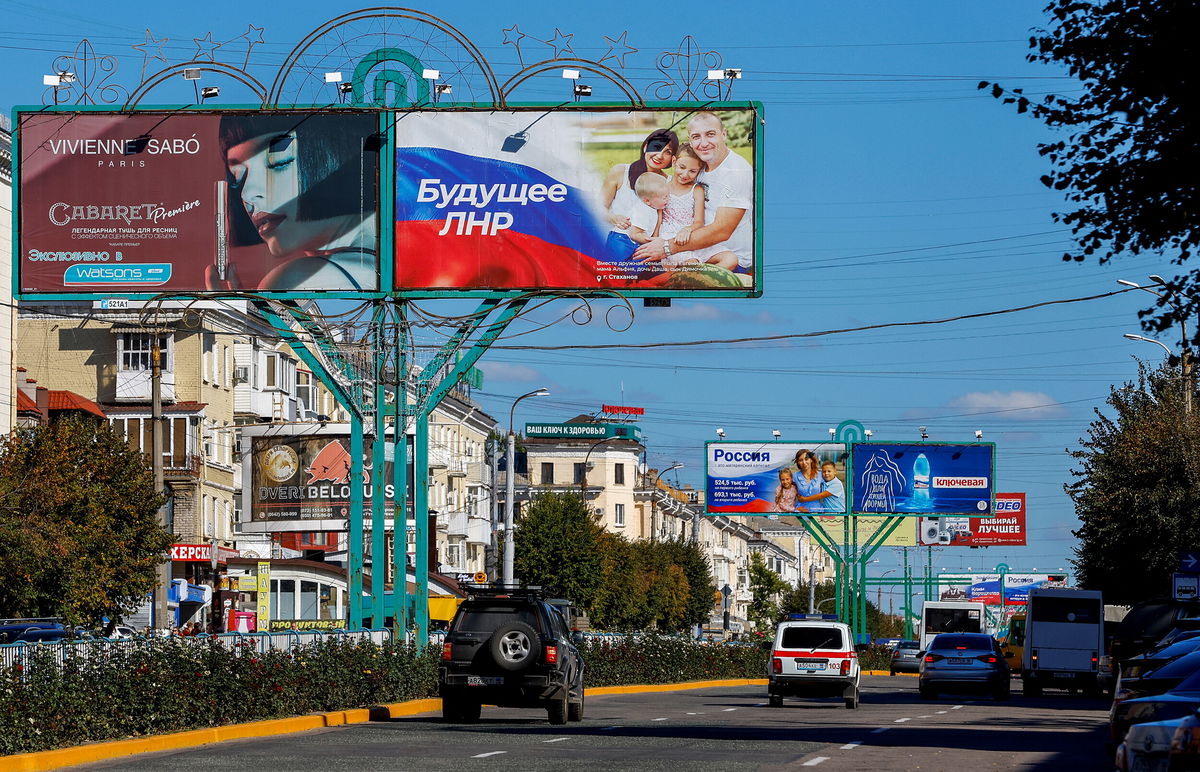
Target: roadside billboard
1004, 529
797, 478
923, 478
662, 200
156, 201
301, 481
985, 588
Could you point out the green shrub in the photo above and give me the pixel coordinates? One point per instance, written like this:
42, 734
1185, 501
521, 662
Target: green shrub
661, 659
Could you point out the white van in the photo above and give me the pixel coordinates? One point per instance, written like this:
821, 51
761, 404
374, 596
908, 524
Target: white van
950, 616
813, 656
1064, 638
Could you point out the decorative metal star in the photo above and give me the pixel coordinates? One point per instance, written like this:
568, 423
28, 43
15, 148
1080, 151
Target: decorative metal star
151, 48
254, 34
513, 37
563, 47
202, 44
618, 49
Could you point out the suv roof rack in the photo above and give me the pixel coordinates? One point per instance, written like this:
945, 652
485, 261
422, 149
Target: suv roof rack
499, 590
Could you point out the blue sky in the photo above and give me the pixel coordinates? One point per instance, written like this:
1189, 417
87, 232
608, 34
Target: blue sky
895, 192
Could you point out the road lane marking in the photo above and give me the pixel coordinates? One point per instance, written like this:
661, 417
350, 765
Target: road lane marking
941, 713
658, 719
851, 746
701, 713
902, 720
727, 710
880, 730
556, 740
930, 716
956, 707
490, 753
814, 762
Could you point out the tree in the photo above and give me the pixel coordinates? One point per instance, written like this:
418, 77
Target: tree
79, 534
702, 588
557, 544
795, 601
765, 587
1137, 490
1131, 132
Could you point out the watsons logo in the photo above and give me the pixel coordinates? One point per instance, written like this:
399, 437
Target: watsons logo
147, 145
63, 214
109, 275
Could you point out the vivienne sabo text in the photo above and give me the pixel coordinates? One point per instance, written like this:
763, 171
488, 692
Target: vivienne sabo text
479, 196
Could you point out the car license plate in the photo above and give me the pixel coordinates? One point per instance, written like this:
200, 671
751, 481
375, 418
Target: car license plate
959, 660
474, 680
810, 664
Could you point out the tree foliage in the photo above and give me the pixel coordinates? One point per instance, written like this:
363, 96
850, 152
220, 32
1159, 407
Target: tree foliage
795, 601
765, 588
557, 544
1137, 489
79, 536
1127, 160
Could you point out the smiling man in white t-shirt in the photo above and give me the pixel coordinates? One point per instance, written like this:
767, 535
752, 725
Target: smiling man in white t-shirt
730, 181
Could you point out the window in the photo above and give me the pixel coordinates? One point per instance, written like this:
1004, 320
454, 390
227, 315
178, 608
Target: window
206, 344
619, 474
271, 374
308, 600
579, 473
134, 351
228, 380
619, 515
305, 393
283, 599
547, 474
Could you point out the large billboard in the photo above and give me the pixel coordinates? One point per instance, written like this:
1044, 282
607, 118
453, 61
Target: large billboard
986, 588
662, 200
923, 479
1004, 529
159, 201
796, 478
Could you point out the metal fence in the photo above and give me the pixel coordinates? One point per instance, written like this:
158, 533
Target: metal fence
20, 653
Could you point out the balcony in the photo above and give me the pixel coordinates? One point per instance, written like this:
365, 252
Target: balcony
134, 386
176, 467
456, 467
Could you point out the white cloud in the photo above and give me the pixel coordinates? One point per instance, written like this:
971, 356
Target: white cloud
499, 371
1017, 405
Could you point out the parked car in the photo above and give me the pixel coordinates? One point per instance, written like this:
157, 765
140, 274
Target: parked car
12, 629
50, 635
1146, 746
1147, 622
1184, 753
1177, 703
964, 662
906, 657
1162, 677
510, 648
812, 655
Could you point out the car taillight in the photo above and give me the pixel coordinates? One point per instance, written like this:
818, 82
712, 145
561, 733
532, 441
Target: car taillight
988, 658
776, 665
446, 649
1033, 658
1095, 661
846, 667
896, 654
551, 655
933, 657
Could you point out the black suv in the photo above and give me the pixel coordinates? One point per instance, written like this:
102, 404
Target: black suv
512, 648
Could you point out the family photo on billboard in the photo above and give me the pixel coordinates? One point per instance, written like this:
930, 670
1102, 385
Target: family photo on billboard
778, 478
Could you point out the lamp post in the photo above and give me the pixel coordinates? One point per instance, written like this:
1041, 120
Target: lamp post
653, 492
510, 479
583, 482
1185, 358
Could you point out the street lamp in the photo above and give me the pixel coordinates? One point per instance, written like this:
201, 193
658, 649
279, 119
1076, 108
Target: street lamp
1185, 358
510, 479
584, 481
653, 512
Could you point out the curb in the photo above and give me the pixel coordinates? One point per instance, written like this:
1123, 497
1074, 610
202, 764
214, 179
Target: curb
41, 761
887, 673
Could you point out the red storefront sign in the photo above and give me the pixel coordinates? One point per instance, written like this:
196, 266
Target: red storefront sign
199, 553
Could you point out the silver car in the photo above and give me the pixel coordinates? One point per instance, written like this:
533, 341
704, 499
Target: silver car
906, 657
964, 662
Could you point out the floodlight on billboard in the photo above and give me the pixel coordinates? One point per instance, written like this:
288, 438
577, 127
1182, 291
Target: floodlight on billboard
791, 478
923, 479
190, 201
661, 201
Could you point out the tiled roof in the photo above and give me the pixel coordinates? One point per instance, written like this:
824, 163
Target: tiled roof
59, 399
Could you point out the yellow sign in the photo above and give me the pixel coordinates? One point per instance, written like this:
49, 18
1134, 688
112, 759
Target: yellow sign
905, 534
246, 583
264, 595
480, 577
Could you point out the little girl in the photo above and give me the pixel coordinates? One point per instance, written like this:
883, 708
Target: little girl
785, 494
685, 211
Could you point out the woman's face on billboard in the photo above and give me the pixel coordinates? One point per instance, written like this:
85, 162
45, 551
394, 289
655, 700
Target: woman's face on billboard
265, 171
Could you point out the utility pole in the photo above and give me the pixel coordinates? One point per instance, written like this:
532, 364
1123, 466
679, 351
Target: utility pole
156, 464
812, 585
489, 563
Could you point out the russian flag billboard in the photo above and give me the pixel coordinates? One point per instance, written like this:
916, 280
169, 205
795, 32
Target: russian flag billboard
661, 201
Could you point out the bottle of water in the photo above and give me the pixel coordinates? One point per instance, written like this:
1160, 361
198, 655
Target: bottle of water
921, 478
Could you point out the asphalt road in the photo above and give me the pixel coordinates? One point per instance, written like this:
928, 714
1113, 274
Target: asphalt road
729, 728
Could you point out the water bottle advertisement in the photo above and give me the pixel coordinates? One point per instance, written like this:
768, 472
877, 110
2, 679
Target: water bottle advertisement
775, 478
924, 479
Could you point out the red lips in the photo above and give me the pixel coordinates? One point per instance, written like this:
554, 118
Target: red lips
267, 222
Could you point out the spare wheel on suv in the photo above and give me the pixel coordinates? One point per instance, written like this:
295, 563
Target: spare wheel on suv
514, 646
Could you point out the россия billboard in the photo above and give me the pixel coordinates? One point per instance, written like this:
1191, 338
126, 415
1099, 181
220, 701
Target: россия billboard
796, 478
923, 479
657, 199
159, 201
985, 588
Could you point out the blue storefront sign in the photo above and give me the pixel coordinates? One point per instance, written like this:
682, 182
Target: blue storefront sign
924, 479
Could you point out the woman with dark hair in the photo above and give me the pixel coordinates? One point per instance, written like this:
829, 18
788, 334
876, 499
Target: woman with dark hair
624, 208
303, 185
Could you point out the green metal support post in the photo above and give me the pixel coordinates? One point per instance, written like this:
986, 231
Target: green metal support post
400, 599
378, 480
